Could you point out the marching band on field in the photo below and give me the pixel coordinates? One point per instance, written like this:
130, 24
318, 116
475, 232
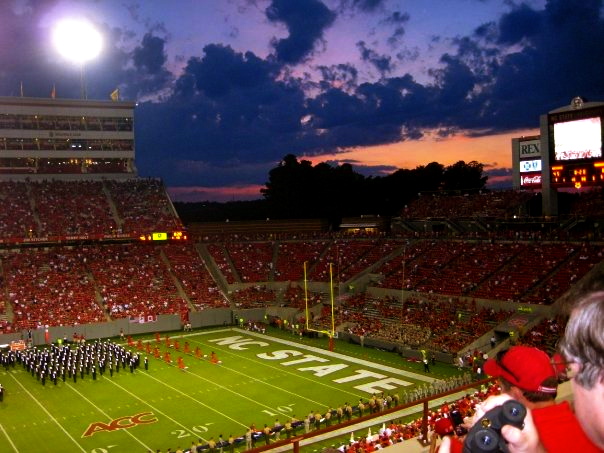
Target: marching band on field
63, 362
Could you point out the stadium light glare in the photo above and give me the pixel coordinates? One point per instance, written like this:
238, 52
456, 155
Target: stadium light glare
79, 41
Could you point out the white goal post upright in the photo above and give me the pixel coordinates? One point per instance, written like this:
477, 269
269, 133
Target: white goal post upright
330, 334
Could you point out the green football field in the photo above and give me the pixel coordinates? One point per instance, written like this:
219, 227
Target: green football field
260, 379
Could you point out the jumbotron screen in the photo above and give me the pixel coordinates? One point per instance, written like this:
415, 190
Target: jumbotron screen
578, 140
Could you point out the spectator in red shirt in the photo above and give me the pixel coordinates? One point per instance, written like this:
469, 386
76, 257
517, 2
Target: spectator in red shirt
550, 427
583, 346
526, 374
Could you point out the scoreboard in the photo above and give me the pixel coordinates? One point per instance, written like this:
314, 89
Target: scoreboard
163, 236
567, 155
578, 175
575, 151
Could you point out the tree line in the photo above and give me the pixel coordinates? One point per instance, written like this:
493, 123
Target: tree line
298, 190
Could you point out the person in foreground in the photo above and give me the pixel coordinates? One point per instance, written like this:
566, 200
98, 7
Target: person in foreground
583, 348
555, 428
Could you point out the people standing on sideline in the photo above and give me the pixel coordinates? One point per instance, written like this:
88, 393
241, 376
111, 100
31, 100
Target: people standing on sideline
327, 417
248, 439
267, 434
277, 429
212, 445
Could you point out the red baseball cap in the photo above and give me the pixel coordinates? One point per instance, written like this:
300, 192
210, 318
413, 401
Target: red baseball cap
443, 426
524, 367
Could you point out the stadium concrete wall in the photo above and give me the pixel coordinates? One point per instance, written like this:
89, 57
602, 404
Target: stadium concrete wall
407, 353
211, 317
161, 323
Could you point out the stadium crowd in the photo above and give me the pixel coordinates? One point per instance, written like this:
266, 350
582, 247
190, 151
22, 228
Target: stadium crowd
61, 208
439, 280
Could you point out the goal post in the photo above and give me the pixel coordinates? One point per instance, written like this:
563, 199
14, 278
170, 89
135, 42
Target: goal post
331, 334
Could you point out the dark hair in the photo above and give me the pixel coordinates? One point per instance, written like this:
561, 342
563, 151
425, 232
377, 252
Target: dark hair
583, 341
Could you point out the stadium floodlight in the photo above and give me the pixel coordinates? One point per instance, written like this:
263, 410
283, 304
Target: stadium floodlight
79, 41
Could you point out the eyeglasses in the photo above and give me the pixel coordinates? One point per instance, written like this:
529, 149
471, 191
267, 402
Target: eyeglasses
564, 371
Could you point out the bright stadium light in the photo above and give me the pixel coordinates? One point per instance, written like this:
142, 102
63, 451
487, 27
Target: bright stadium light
77, 40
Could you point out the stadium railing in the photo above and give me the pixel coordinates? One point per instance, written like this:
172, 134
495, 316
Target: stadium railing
360, 423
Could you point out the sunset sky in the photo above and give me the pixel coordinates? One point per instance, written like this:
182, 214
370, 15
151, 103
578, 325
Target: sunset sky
226, 88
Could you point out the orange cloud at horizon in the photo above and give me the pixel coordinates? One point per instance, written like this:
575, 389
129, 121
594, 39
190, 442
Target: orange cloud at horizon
216, 194
493, 151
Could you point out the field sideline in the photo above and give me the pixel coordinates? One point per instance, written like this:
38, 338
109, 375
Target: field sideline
261, 378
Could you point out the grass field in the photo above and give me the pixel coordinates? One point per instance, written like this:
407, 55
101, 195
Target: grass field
261, 378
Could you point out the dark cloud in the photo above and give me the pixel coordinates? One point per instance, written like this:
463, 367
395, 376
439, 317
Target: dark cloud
306, 20
523, 22
238, 107
363, 169
344, 75
396, 36
493, 170
222, 70
406, 55
134, 10
499, 178
368, 6
150, 74
398, 20
383, 63
557, 60
227, 107
234, 109
455, 81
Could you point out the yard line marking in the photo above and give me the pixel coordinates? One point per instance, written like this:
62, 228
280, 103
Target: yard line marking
49, 414
367, 363
332, 387
109, 417
201, 403
153, 407
241, 395
8, 438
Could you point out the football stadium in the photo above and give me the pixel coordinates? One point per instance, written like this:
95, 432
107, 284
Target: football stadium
123, 329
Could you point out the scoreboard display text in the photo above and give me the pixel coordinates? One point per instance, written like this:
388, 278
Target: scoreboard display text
578, 175
162, 236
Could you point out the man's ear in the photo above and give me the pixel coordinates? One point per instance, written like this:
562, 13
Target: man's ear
574, 368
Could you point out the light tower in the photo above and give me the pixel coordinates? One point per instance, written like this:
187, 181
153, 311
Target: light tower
78, 41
